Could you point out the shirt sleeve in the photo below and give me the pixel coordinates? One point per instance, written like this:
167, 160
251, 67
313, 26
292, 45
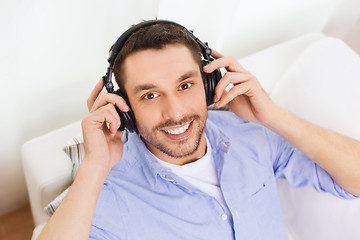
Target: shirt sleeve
97, 233
107, 223
299, 171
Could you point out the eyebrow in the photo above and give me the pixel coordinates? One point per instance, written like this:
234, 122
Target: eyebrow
144, 87
147, 86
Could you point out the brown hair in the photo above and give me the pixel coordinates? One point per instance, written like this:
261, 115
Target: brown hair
155, 36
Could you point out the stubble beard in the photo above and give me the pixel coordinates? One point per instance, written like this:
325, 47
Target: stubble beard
177, 149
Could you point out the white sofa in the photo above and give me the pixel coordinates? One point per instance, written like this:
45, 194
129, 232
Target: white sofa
304, 75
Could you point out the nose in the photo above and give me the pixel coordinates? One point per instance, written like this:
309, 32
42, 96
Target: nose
174, 108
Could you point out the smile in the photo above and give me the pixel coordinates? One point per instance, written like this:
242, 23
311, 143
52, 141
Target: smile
177, 131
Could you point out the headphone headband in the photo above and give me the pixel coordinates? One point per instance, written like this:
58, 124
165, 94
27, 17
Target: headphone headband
206, 51
126, 35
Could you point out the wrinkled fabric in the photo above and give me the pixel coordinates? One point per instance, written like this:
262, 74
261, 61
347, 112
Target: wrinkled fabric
141, 199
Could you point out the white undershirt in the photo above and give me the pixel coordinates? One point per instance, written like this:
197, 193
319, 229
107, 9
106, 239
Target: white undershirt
200, 174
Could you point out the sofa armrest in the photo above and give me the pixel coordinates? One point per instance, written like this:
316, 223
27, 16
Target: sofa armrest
270, 65
47, 168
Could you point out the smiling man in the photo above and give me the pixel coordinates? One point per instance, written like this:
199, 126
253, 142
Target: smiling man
171, 112
190, 173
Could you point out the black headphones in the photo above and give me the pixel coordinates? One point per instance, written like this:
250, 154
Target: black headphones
210, 79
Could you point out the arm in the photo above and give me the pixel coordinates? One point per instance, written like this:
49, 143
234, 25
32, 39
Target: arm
337, 154
72, 220
103, 149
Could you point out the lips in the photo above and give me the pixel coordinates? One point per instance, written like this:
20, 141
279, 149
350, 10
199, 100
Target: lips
179, 133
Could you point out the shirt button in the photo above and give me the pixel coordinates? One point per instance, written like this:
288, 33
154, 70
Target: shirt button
224, 217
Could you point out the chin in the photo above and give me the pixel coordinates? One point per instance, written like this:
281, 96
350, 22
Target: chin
160, 141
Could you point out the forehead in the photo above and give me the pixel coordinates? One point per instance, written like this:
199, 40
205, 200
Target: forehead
157, 66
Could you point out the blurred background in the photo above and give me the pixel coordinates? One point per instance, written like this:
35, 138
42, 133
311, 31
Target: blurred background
54, 52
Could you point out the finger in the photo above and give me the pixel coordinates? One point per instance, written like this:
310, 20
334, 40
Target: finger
109, 118
240, 89
229, 63
101, 118
115, 124
95, 93
105, 98
229, 78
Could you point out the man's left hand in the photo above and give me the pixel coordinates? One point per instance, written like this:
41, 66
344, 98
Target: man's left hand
247, 99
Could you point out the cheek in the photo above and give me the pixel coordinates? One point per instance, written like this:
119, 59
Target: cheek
146, 116
196, 104
197, 100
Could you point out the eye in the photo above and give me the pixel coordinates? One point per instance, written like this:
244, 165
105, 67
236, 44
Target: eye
185, 86
150, 96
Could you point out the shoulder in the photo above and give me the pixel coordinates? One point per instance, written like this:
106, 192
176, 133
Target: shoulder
222, 116
246, 138
108, 217
233, 126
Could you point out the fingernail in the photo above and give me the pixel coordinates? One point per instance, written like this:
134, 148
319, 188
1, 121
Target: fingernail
218, 105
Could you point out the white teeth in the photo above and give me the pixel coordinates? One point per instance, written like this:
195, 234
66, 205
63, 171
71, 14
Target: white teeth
179, 130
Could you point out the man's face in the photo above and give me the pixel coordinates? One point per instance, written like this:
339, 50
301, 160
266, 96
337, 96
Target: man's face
167, 96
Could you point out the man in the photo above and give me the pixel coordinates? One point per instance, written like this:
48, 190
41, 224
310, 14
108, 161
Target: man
190, 173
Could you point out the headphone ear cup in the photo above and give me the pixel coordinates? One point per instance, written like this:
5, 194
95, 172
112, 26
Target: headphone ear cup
210, 81
127, 118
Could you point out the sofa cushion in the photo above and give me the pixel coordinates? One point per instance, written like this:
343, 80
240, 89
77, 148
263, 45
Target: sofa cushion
322, 87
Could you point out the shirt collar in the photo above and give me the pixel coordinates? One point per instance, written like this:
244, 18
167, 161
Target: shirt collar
218, 140
152, 168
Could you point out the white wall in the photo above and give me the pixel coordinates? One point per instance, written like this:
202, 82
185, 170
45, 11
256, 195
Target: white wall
252, 25
53, 53
345, 23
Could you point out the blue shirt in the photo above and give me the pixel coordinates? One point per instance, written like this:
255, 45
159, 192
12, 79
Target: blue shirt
142, 199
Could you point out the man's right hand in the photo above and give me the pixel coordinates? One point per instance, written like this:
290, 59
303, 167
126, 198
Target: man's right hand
102, 139
103, 149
